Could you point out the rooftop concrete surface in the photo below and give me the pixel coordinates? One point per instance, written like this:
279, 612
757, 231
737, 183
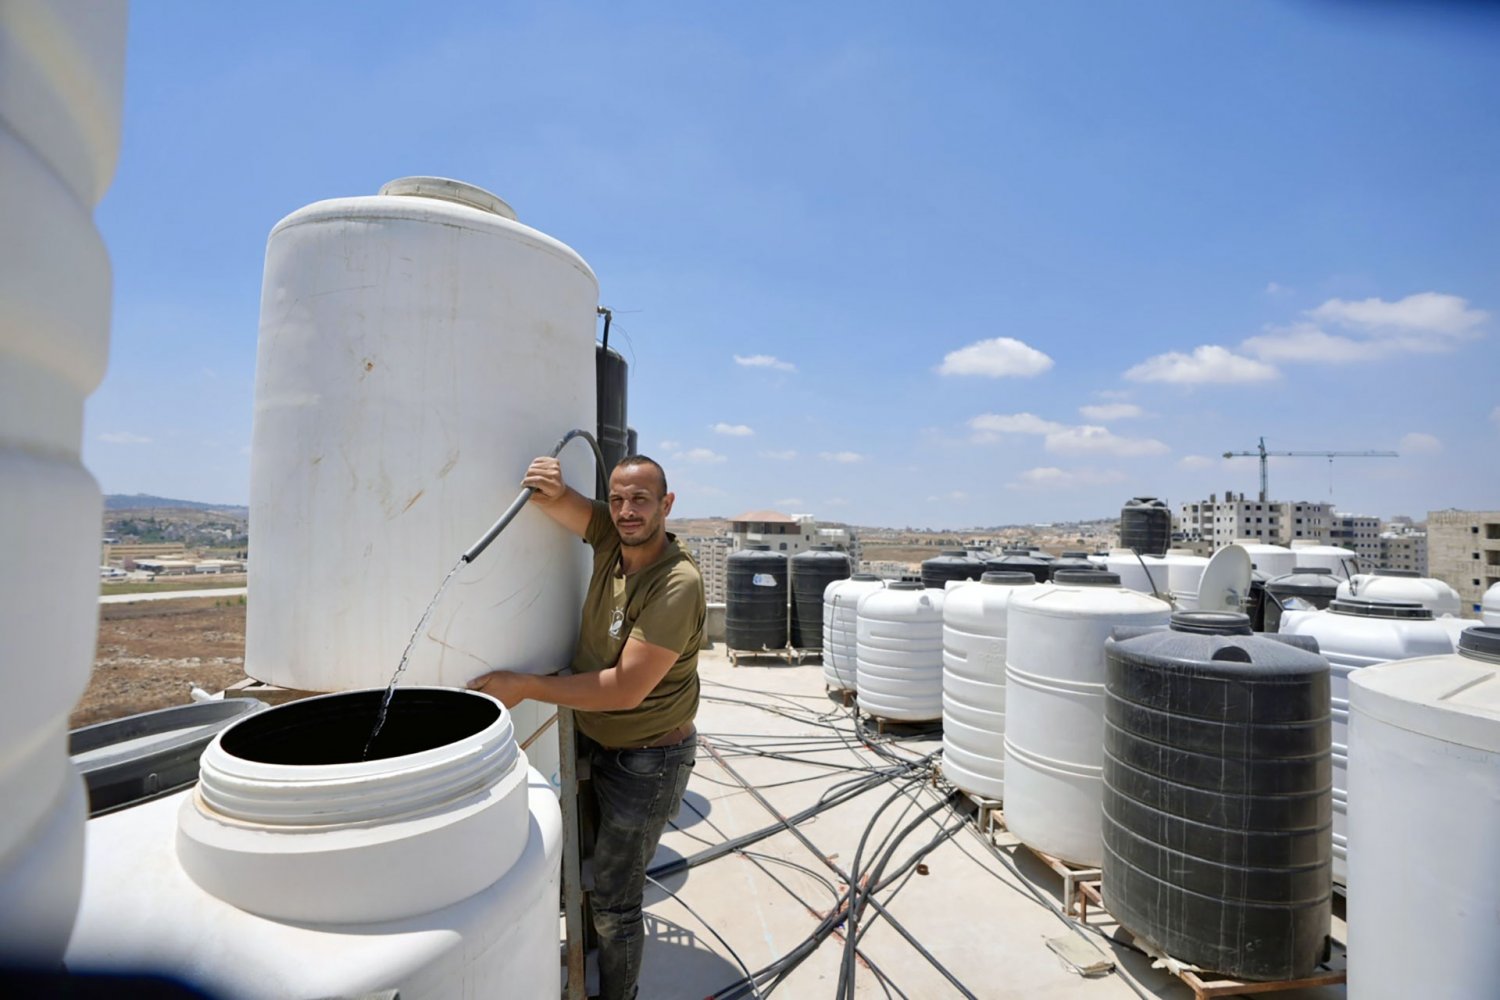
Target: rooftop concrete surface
983, 908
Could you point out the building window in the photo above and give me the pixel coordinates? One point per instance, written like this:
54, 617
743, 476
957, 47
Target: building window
783, 546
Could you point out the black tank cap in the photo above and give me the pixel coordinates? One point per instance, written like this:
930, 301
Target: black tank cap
866, 577
757, 548
1482, 642
1075, 555
1361, 608
1086, 578
1009, 578
905, 585
956, 553
1406, 574
1211, 622
1314, 570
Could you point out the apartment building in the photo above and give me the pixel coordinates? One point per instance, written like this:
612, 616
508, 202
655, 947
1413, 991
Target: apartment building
1463, 550
1358, 533
711, 553
1217, 522
787, 533
1404, 549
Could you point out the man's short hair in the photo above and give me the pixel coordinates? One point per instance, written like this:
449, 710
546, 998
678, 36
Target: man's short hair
630, 461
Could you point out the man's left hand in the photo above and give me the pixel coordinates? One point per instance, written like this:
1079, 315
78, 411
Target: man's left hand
506, 686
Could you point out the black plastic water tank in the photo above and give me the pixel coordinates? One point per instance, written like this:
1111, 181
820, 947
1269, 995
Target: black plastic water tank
954, 565
1070, 562
1146, 526
132, 760
1314, 586
1020, 562
1218, 797
812, 571
611, 377
632, 442
755, 613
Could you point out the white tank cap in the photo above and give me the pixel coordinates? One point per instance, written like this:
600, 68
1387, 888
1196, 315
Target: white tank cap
449, 190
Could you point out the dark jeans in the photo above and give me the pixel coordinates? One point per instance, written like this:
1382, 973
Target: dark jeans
637, 792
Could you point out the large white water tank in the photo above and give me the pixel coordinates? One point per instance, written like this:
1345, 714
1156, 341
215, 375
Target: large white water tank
1489, 608
899, 653
1404, 585
974, 630
1054, 697
1272, 560
1353, 634
1146, 574
1343, 562
841, 628
1424, 773
1184, 571
61, 75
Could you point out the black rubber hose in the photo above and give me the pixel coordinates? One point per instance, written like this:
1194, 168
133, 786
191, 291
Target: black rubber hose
489, 536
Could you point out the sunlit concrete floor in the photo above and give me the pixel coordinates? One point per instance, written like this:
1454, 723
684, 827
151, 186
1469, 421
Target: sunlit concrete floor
984, 922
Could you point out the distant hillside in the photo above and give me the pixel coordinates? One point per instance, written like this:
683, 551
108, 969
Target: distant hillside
142, 501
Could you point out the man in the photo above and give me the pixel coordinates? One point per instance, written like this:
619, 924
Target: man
634, 687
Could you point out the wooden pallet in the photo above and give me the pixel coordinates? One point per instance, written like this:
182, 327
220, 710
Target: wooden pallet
734, 655
1206, 984
844, 695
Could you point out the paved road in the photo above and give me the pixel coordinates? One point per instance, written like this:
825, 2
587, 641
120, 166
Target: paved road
170, 594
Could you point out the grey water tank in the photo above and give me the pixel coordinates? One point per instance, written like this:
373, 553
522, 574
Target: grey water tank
1218, 797
954, 565
1314, 586
1146, 526
1069, 562
130, 760
812, 571
1022, 561
632, 442
611, 377
755, 614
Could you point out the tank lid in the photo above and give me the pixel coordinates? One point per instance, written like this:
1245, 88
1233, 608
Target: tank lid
1075, 554
757, 548
1311, 570
445, 189
866, 577
1362, 608
905, 585
956, 553
1482, 642
1212, 622
1455, 699
824, 548
1087, 578
1008, 578
1405, 574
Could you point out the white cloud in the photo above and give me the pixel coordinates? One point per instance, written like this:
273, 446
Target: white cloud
733, 430
765, 361
123, 437
1417, 443
844, 457
670, 445
1111, 411
998, 357
1426, 312
1014, 423
955, 497
1052, 478
1195, 461
700, 455
1207, 364
1272, 288
1305, 342
788, 502
780, 456
1087, 438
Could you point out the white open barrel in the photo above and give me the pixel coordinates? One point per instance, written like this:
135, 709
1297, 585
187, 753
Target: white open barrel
61, 75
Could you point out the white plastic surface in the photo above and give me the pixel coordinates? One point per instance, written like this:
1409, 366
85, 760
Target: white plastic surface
1424, 777
1225, 583
899, 654
1054, 739
974, 631
1489, 606
1145, 574
141, 911
1351, 643
1184, 570
841, 630
1272, 560
1434, 595
61, 76
1343, 562
415, 354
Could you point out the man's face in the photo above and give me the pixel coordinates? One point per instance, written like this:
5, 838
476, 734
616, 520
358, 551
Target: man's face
637, 505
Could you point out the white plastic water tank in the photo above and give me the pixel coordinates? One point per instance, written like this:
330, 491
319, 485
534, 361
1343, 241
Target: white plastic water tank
1398, 585
1424, 773
1353, 634
1184, 570
1054, 696
974, 630
62, 67
1272, 560
1142, 573
1343, 562
841, 628
1489, 608
899, 653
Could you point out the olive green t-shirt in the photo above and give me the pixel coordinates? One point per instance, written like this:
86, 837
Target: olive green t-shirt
661, 604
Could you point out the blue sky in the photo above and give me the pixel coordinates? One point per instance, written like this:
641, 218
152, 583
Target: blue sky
901, 264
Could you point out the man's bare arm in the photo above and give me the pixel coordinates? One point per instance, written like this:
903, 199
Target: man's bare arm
623, 686
556, 498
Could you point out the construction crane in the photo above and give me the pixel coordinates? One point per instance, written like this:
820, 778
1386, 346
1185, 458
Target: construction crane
1330, 455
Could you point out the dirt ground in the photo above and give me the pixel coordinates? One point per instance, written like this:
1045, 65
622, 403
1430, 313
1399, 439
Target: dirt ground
151, 654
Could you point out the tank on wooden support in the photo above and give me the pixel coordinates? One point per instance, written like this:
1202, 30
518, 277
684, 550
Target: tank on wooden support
755, 614
811, 572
